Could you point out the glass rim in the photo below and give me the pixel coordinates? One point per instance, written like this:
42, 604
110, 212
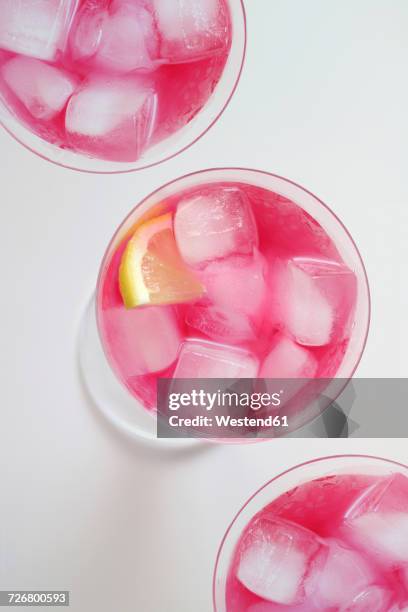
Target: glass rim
152, 164
326, 458
220, 170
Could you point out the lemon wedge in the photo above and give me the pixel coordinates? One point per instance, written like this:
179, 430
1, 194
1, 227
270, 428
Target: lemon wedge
152, 270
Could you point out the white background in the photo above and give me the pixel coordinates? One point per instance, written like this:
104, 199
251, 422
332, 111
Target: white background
323, 100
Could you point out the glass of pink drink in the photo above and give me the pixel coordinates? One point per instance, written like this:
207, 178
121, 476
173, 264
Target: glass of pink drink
248, 275
116, 85
328, 535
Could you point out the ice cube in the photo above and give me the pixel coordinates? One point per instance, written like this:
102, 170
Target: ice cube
191, 29
277, 558
204, 359
315, 299
237, 282
112, 118
288, 360
214, 223
373, 599
220, 325
389, 493
345, 574
142, 340
235, 293
43, 89
384, 532
86, 32
37, 28
128, 40
378, 519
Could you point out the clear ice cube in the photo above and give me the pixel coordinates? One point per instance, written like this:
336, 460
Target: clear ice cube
297, 365
43, 89
128, 39
86, 32
344, 575
204, 359
235, 293
237, 282
213, 224
288, 360
389, 493
372, 599
277, 558
191, 29
220, 325
378, 520
112, 118
143, 340
37, 28
314, 299
386, 533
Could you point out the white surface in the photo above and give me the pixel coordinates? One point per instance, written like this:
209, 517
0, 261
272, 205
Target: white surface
126, 528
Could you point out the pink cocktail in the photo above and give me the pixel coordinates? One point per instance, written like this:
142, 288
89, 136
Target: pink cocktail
331, 535
113, 85
231, 274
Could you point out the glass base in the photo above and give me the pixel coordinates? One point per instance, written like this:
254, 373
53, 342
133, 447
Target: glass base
108, 394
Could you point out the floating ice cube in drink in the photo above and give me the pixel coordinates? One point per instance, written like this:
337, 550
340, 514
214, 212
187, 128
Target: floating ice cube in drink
214, 224
220, 325
37, 28
87, 29
315, 298
378, 520
43, 89
191, 30
343, 577
235, 294
128, 39
143, 341
237, 281
113, 117
289, 360
277, 559
203, 359
387, 533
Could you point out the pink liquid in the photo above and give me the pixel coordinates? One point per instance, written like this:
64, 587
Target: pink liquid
240, 313
368, 580
121, 79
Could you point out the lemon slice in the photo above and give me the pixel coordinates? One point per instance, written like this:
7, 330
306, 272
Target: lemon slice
152, 270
